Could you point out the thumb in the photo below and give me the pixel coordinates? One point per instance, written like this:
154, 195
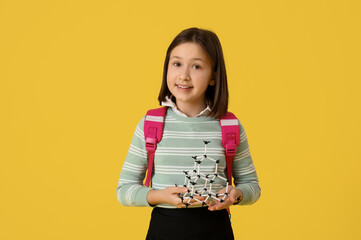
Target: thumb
232, 198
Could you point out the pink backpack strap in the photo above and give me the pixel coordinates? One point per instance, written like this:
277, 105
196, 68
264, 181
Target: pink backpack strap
230, 140
153, 131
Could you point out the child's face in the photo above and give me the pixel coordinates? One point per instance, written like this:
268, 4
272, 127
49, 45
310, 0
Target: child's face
189, 73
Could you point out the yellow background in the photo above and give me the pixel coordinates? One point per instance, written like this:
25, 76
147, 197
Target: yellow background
77, 76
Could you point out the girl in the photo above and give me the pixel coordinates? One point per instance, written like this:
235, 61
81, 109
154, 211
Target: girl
195, 90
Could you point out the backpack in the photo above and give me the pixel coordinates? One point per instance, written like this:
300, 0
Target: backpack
153, 131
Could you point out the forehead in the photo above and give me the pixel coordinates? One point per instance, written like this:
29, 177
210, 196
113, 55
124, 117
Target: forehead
189, 50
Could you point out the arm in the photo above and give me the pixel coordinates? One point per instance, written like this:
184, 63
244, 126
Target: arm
244, 172
130, 189
246, 190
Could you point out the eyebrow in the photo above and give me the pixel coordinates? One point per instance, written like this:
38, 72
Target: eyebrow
191, 59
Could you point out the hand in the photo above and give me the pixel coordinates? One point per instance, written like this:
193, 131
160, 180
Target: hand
170, 195
233, 194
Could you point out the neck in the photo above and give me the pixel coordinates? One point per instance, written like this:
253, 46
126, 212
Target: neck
191, 109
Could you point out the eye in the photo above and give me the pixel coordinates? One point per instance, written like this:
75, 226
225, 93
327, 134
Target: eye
197, 66
177, 64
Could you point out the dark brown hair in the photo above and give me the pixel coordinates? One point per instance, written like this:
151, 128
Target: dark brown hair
217, 95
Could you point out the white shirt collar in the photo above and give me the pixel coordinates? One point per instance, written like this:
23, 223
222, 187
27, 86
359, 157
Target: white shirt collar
169, 103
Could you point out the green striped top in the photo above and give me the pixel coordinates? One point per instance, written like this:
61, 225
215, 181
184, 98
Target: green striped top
183, 138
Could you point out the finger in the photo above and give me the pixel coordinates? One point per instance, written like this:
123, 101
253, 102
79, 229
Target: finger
182, 202
218, 205
196, 203
211, 205
232, 198
180, 205
193, 200
178, 189
199, 198
187, 196
223, 190
236, 193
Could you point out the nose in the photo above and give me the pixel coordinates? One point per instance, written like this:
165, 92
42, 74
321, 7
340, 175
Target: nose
184, 74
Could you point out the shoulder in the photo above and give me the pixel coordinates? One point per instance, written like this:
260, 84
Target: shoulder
237, 119
150, 113
140, 124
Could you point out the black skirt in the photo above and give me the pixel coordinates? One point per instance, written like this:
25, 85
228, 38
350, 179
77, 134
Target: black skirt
189, 224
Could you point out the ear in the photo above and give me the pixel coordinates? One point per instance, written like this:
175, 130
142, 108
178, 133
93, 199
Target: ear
213, 79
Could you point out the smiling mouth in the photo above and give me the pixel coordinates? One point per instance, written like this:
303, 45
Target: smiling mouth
183, 86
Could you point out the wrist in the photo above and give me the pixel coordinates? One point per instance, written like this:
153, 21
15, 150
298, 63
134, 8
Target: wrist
154, 197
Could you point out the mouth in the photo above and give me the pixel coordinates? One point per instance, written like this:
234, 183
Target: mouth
183, 86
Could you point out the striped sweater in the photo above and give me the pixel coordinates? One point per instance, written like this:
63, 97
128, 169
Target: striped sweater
183, 138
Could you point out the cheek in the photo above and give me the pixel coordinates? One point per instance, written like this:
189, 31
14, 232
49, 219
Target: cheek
170, 81
203, 78
171, 75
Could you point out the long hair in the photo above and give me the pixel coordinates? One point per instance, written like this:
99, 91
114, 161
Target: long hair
216, 95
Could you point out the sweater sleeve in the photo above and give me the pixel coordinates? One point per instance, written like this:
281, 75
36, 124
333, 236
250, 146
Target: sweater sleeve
244, 172
130, 189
